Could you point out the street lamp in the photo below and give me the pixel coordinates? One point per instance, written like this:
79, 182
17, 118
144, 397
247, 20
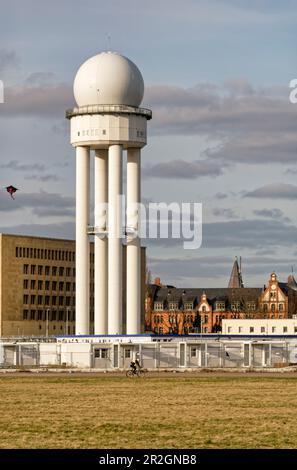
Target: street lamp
46, 325
67, 319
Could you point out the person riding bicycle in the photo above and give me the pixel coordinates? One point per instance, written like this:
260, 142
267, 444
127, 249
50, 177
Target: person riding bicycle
137, 363
133, 367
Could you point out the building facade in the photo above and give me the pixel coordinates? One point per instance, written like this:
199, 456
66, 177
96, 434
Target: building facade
268, 326
37, 286
171, 310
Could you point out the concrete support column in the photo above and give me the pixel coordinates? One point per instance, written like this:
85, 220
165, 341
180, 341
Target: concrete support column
82, 312
115, 248
101, 244
133, 242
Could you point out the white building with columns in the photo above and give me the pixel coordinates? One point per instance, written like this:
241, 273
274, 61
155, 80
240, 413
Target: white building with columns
108, 89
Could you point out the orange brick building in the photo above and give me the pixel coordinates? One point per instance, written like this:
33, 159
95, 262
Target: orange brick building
171, 310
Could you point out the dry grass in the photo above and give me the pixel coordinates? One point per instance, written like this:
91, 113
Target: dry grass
193, 411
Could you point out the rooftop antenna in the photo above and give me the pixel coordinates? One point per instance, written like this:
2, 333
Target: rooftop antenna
108, 43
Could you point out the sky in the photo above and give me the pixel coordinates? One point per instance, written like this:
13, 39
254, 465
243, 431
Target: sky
223, 132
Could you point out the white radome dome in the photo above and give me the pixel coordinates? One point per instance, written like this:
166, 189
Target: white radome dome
108, 78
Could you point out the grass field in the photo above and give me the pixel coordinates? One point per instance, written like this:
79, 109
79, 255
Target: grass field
167, 411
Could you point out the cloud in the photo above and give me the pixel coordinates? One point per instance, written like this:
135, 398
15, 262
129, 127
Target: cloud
43, 178
182, 169
40, 203
272, 214
15, 165
54, 212
44, 79
290, 171
220, 196
252, 234
253, 125
257, 148
45, 101
65, 230
274, 191
8, 60
226, 213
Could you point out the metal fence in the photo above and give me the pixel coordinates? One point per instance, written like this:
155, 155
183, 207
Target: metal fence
152, 355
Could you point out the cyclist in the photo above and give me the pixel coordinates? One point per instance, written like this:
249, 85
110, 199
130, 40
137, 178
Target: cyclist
133, 366
137, 363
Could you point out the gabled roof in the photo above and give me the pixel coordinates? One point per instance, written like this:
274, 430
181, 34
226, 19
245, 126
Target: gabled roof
212, 294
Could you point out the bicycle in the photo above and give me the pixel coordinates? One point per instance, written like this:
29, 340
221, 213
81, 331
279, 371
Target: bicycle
136, 373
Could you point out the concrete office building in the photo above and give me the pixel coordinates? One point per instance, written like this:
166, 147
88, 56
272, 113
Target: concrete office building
108, 90
37, 286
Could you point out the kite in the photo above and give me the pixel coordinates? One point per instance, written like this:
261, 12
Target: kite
11, 190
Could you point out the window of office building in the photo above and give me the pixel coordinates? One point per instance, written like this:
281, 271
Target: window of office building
61, 315
61, 285
25, 314
40, 285
33, 268
47, 270
25, 268
25, 283
39, 300
32, 299
68, 272
40, 270
61, 300
54, 270
47, 285
33, 283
